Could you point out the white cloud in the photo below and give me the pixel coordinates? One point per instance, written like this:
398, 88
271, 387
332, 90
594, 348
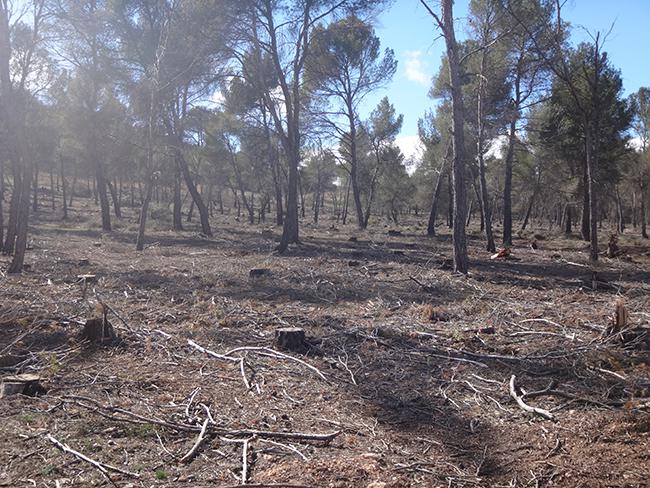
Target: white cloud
414, 67
410, 146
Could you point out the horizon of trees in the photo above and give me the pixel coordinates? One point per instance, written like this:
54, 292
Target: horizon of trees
115, 99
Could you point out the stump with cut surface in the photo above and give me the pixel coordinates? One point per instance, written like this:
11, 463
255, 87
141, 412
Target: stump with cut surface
98, 330
21, 384
290, 339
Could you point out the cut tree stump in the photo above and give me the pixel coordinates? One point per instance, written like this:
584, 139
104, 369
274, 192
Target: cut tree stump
257, 273
98, 331
21, 384
290, 339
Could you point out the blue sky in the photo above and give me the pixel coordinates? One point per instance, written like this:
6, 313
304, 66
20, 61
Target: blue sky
408, 29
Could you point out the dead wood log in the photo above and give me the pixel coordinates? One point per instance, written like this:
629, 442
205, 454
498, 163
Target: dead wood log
290, 339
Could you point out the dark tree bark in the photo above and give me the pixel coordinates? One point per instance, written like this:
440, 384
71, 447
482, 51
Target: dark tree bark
177, 218
486, 213
644, 230
586, 224
116, 199
433, 214
189, 181
52, 188
619, 212
35, 189
64, 188
568, 219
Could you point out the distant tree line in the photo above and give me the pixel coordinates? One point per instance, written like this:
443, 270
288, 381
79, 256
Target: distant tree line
192, 108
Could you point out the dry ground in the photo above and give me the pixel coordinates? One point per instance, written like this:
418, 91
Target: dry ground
416, 374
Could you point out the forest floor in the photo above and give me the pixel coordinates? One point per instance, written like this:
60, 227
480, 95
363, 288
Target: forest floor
408, 365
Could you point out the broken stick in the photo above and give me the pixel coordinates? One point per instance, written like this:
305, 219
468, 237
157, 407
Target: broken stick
102, 467
527, 408
199, 442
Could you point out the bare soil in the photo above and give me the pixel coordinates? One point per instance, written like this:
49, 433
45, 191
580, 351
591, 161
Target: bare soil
416, 360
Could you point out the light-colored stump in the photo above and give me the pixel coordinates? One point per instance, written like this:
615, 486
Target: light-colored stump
21, 384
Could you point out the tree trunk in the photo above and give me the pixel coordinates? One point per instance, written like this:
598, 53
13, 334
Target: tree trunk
486, 213
431, 227
644, 231
16, 265
52, 189
64, 188
35, 190
592, 168
346, 202
14, 204
619, 212
196, 196
177, 218
354, 167
584, 231
139, 243
458, 168
290, 229
72, 186
103, 196
450, 200
116, 199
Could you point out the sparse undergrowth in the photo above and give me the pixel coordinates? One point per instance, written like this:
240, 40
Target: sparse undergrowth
416, 370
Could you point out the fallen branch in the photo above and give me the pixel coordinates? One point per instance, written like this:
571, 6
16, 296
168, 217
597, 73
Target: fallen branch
281, 355
551, 391
197, 445
102, 467
523, 405
223, 357
132, 417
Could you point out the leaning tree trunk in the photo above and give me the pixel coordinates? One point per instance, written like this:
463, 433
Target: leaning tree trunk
458, 168
196, 196
139, 243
